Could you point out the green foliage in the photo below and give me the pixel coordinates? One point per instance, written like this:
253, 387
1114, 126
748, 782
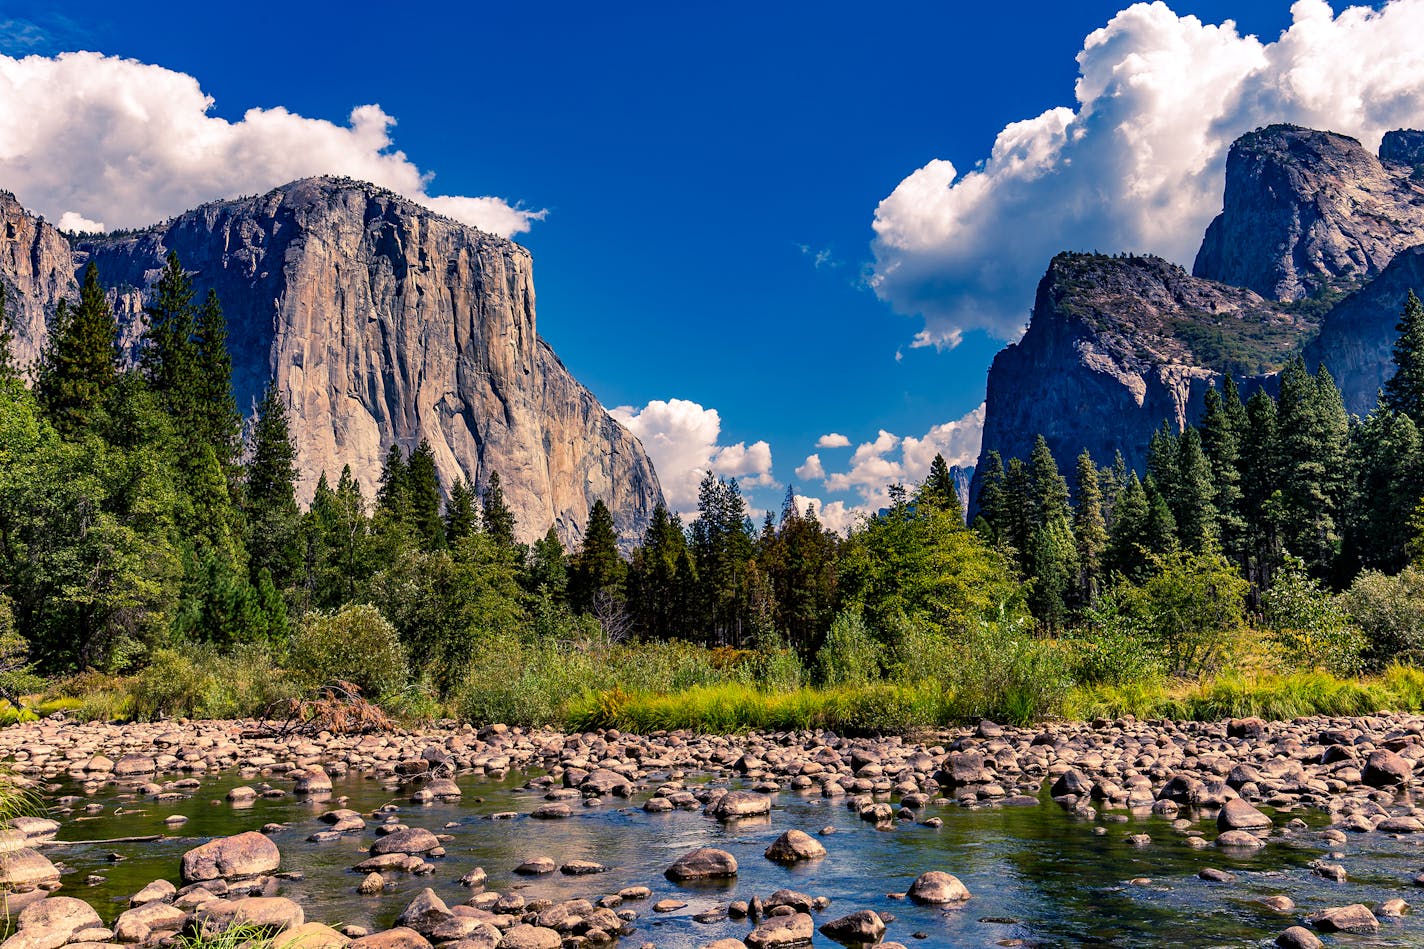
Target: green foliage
1310, 623
355, 644
195, 682
1001, 671
1389, 611
1190, 606
1114, 646
1404, 391
849, 655
80, 367
273, 541
495, 515
598, 572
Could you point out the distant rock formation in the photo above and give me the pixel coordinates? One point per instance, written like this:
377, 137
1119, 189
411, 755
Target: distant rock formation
381, 322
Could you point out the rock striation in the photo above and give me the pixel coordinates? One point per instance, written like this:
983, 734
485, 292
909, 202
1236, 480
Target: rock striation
381, 322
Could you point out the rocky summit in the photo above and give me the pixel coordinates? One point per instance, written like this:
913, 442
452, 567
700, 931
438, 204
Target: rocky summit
1316, 247
382, 322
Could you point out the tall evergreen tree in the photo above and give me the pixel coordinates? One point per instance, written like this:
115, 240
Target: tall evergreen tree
938, 490
221, 422
461, 517
1051, 560
81, 365
1021, 510
1128, 541
169, 356
393, 494
1386, 480
1193, 508
1089, 529
1161, 532
496, 516
1162, 452
423, 497
546, 574
1261, 473
1312, 429
598, 570
9, 369
721, 547
1404, 392
657, 598
270, 495
1222, 428
991, 514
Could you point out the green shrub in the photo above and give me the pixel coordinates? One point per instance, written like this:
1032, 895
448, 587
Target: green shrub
850, 655
1114, 648
916, 651
1389, 612
174, 683
1310, 624
1191, 605
998, 670
356, 644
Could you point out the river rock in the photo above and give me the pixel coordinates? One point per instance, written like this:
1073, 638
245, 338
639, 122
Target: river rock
425, 913
525, 936
737, 804
242, 855
25, 870
863, 927
1385, 769
136, 924
704, 863
1298, 937
936, 887
52, 922
536, 866
410, 840
779, 931
552, 812
313, 936
1237, 814
158, 891
1239, 840
313, 780
372, 884
271, 914
1355, 918
132, 765
794, 846
398, 938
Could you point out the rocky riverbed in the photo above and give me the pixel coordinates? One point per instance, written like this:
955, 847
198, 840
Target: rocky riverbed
1117, 833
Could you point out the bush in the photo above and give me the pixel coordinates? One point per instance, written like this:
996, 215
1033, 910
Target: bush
849, 656
514, 683
1310, 624
1191, 605
916, 651
1389, 612
998, 670
1115, 647
356, 644
174, 684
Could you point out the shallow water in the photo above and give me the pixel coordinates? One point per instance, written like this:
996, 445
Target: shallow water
1035, 873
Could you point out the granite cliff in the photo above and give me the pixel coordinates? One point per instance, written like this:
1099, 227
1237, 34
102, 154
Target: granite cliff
381, 322
1316, 246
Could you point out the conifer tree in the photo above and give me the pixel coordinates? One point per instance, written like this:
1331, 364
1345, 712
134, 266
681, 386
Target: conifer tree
270, 496
1193, 508
461, 517
1020, 509
655, 595
1128, 543
1222, 428
1161, 533
1261, 488
989, 506
1162, 452
938, 491
1312, 429
82, 363
598, 570
496, 516
393, 494
547, 572
1404, 392
423, 497
1051, 560
1386, 480
221, 422
1089, 529
169, 357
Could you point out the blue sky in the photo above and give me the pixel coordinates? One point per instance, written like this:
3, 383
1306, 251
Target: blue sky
710, 176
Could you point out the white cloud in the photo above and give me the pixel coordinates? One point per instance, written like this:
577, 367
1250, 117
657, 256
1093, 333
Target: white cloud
1138, 164
79, 224
812, 469
833, 440
836, 515
98, 138
681, 438
890, 459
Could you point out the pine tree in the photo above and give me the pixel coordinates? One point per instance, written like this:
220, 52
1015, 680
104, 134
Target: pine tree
1049, 488
546, 574
461, 517
393, 494
221, 422
1386, 465
657, 600
1089, 529
1128, 543
82, 362
169, 357
1162, 452
423, 497
938, 491
498, 519
1404, 392
1051, 560
990, 512
270, 496
1161, 530
1222, 428
1193, 507
598, 570
1312, 429
1261, 475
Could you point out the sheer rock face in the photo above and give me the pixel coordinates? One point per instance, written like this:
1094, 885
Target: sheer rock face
384, 322
37, 268
1117, 345
1306, 212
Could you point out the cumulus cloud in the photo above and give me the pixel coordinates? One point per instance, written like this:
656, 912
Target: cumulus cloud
88, 138
833, 440
681, 438
891, 459
1138, 164
812, 469
836, 515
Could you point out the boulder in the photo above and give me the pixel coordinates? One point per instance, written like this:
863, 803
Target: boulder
227, 858
525, 936
410, 840
313, 780
1355, 918
160, 891
737, 804
25, 870
52, 922
1298, 937
399, 938
136, 924
795, 846
704, 863
425, 913
1239, 840
313, 936
1385, 769
779, 931
271, 914
861, 928
936, 887
1237, 814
